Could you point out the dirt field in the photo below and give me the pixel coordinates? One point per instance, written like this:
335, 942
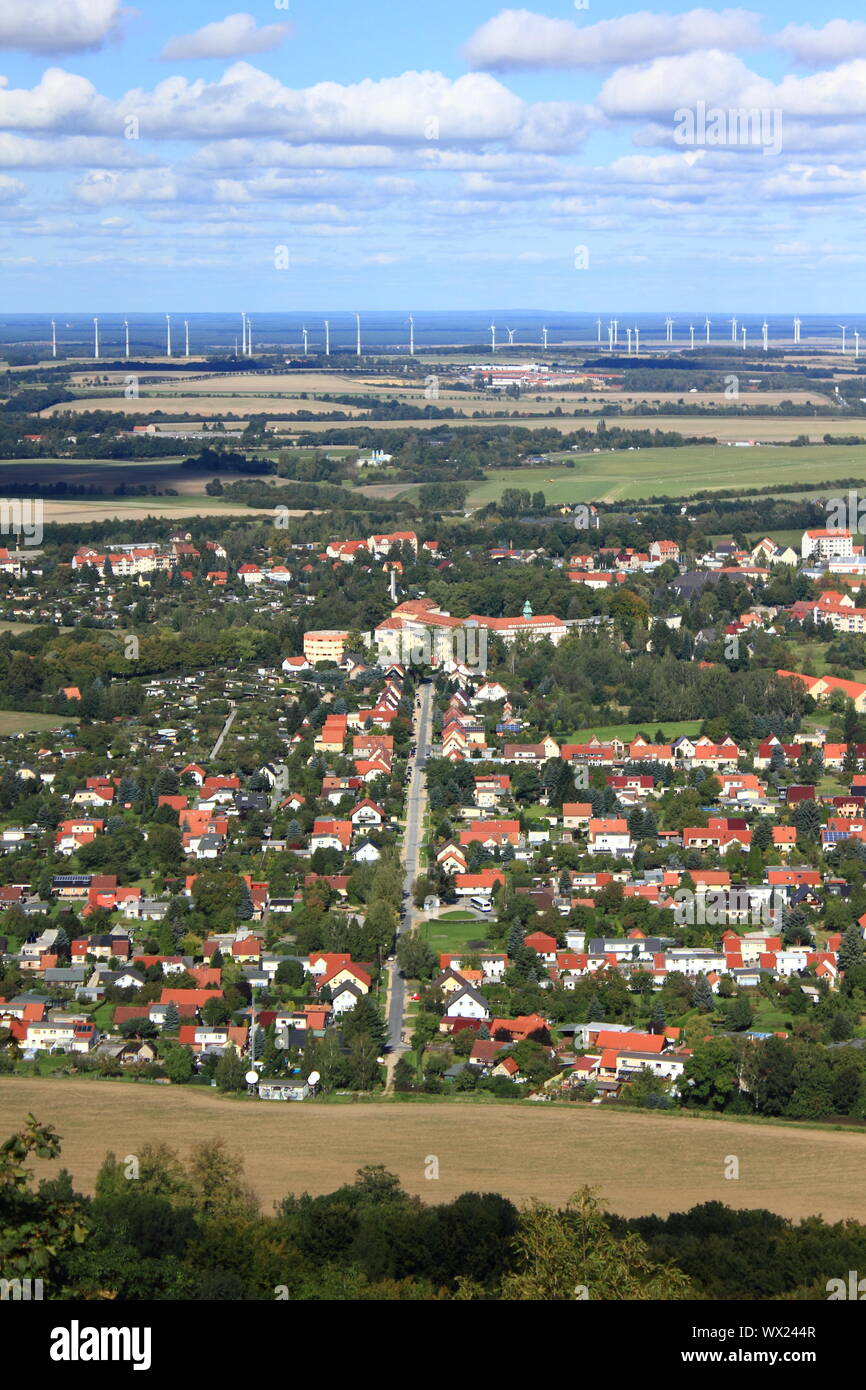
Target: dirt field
126, 509
197, 405
642, 1162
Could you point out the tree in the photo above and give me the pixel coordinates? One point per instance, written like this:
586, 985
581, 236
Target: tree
230, 1071
852, 948
37, 1233
415, 957
179, 1064
172, 1017
365, 1020
711, 1076
559, 1253
739, 1014
702, 995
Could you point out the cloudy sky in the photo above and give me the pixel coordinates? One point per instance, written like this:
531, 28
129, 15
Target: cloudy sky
384, 155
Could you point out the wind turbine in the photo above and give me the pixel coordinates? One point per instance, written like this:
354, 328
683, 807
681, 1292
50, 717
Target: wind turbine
327, 338
692, 336
707, 327
856, 346
636, 340
669, 329
510, 332
765, 329
544, 336
96, 338
411, 336
610, 336
796, 330
249, 347
306, 335
243, 335
126, 333
844, 328
168, 335
493, 337
186, 337
53, 338
357, 335
628, 336
598, 326
743, 331
733, 323
615, 326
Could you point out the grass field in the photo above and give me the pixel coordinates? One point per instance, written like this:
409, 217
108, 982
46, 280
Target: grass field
22, 722
605, 732
642, 1162
452, 930
617, 476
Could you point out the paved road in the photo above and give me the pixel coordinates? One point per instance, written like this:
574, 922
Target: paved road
415, 802
226, 726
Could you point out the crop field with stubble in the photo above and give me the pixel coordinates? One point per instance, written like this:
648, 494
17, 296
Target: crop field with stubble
641, 1162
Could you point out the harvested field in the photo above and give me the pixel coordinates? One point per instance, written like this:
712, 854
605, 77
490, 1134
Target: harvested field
642, 1162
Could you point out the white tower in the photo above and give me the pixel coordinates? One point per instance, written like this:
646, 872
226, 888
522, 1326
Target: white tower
186, 337
707, 328
493, 337
96, 338
544, 338
53, 338
615, 326
669, 329
510, 332
844, 328
692, 336
856, 346
243, 335
126, 337
357, 335
411, 336
743, 331
598, 328
327, 338
628, 337
796, 330
636, 340
733, 323
306, 336
249, 345
168, 335
765, 330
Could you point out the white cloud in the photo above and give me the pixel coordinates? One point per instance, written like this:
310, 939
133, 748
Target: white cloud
100, 187
423, 109
839, 40
660, 87
56, 26
523, 39
11, 190
20, 152
227, 38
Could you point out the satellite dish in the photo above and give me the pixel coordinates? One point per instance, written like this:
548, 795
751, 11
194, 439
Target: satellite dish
313, 1078
251, 1078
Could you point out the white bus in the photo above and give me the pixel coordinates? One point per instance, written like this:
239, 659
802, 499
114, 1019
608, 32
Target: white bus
481, 904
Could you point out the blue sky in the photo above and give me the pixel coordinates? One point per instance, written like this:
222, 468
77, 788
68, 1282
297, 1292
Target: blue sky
430, 156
